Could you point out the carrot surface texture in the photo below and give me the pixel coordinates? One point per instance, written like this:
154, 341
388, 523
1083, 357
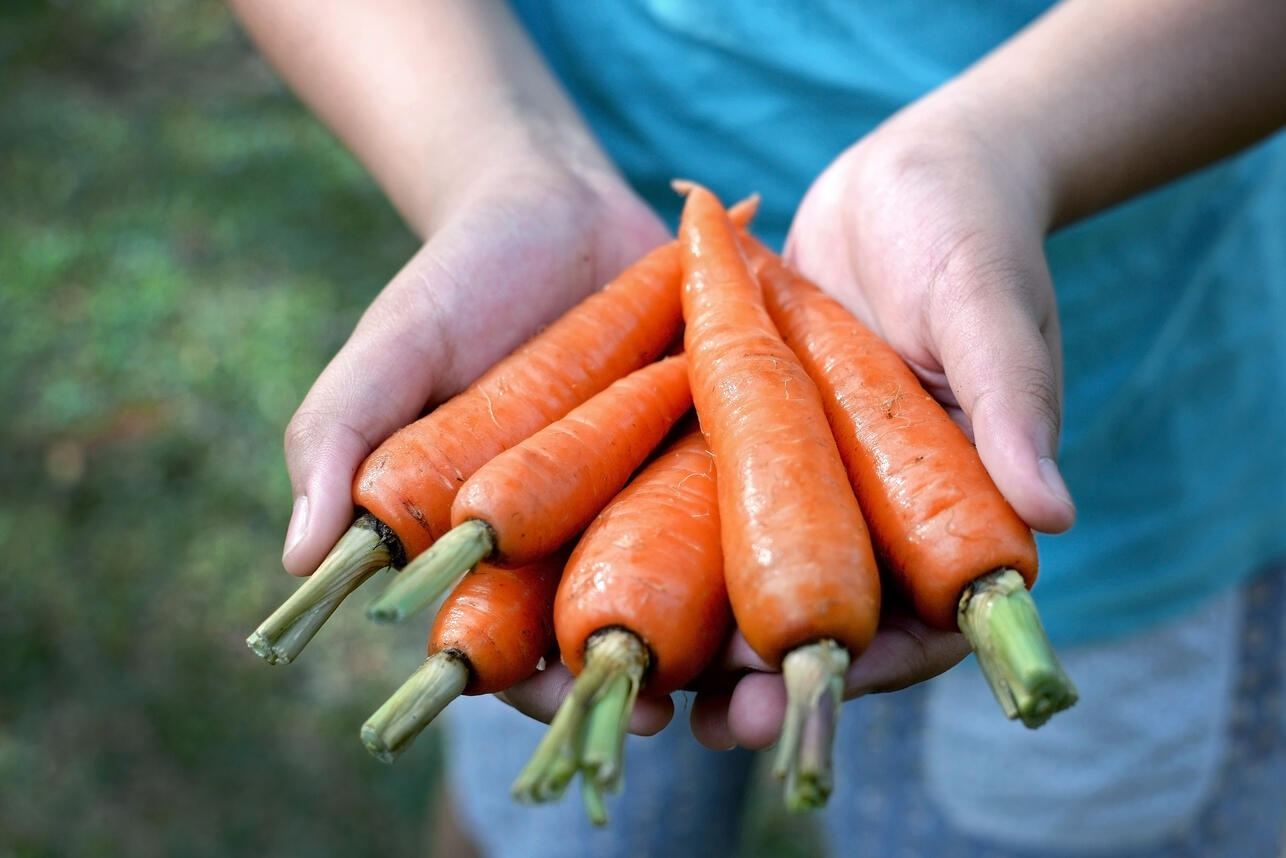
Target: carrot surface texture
800, 569
492, 631
641, 606
940, 526
541, 493
407, 484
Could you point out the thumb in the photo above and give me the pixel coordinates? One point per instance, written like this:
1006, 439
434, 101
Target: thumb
996, 328
363, 395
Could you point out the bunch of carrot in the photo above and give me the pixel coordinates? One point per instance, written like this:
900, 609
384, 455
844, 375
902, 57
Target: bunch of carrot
562, 502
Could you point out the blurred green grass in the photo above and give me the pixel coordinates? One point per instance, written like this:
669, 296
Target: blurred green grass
182, 248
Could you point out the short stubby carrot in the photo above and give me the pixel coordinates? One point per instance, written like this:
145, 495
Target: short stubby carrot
800, 568
491, 632
541, 493
641, 608
939, 524
651, 562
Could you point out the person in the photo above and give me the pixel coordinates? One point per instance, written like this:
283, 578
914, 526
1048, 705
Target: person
1070, 221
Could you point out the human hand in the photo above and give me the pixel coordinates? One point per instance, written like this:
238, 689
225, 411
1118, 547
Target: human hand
510, 250
933, 234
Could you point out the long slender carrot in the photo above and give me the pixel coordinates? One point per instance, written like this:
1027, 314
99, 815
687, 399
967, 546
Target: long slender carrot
641, 607
939, 524
491, 632
542, 492
800, 569
406, 486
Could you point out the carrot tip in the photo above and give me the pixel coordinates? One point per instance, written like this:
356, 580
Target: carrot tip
682, 186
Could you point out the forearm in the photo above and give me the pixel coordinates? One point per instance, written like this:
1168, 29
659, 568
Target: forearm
425, 94
1107, 99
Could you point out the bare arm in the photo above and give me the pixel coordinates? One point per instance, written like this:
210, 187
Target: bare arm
1114, 98
425, 94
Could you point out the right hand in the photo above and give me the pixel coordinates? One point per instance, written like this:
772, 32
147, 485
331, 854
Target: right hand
512, 250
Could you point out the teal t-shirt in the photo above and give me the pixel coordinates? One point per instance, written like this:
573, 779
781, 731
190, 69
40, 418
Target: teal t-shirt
1173, 306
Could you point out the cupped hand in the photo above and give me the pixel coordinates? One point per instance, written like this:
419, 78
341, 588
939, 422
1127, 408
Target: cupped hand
933, 235
514, 249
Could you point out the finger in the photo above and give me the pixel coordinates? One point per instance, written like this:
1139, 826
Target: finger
756, 710
378, 382
708, 720
993, 319
904, 651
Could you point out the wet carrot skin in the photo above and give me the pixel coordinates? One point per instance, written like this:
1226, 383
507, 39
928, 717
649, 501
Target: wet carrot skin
798, 559
410, 481
501, 621
543, 492
651, 563
936, 517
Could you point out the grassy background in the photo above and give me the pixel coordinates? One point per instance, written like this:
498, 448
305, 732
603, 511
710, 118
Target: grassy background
182, 248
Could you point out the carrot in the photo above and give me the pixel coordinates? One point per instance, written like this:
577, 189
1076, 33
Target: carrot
491, 632
541, 493
641, 606
939, 524
407, 484
800, 569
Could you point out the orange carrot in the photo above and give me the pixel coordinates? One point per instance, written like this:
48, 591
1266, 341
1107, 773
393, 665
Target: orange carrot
800, 569
641, 606
491, 632
938, 522
651, 563
541, 493
408, 483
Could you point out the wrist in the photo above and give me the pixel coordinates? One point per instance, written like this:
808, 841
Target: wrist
961, 130
511, 151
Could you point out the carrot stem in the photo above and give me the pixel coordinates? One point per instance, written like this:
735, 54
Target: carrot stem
592, 797
434, 573
421, 698
365, 549
603, 749
814, 676
999, 617
610, 654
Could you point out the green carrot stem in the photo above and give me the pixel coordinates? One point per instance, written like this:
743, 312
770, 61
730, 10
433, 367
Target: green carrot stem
603, 749
366, 548
434, 573
608, 654
421, 698
999, 617
592, 797
814, 676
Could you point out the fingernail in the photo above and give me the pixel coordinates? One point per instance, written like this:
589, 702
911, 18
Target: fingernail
1054, 480
298, 527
